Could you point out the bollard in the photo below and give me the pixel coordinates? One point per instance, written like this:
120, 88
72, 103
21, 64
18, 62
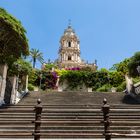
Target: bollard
38, 111
106, 121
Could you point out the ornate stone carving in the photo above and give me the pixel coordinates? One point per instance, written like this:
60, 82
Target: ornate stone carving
69, 51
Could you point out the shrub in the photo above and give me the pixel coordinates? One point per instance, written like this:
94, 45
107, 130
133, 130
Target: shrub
47, 80
30, 87
104, 88
121, 87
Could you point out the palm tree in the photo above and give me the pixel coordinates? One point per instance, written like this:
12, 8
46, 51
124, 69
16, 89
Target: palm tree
36, 55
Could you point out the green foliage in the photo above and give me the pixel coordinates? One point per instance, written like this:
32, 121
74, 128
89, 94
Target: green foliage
90, 79
104, 88
36, 55
48, 67
116, 78
61, 72
13, 42
133, 64
20, 67
103, 70
122, 66
47, 80
74, 78
100, 79
33, 76
136, 79
121, 87
30, 87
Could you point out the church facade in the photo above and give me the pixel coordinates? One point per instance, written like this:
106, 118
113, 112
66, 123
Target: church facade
69, 51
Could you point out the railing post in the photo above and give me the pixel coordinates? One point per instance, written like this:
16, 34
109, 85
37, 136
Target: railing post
38, 111
106, 121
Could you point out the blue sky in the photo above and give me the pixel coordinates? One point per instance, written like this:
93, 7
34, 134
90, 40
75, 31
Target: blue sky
109, 30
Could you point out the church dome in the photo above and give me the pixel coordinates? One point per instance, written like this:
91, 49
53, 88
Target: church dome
69, 31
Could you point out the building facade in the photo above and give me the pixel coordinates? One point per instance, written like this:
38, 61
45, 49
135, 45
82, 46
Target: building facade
69, 51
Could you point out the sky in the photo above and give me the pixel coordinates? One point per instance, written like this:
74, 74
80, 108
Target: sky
109, 30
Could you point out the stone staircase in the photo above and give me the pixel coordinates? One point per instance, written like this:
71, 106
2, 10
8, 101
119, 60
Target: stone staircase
70, 115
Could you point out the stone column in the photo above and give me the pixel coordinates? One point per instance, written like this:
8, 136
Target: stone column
26, 86
3, 73
14, 91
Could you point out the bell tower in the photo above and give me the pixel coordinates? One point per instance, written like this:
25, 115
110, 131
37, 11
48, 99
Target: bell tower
69, 51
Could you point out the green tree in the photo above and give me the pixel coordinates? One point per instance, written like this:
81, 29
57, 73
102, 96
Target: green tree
48, 67
133, 64
13, 42
122, 66
24, 67
36, 55
116, 78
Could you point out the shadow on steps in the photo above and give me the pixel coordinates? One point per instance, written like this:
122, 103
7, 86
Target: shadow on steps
131, 100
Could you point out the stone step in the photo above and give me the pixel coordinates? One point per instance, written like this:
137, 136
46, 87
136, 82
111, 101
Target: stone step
68, 131
72, 106
61, 119
69, 115
52, 135
77, 123
81, 127
69, 110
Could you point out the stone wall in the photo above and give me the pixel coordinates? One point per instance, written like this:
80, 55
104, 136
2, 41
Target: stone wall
65, 87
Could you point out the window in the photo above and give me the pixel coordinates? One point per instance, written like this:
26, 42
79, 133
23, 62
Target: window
69, 57
69, 44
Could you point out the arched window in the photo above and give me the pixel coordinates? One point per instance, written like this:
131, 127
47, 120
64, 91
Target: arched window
69, 57
69, 44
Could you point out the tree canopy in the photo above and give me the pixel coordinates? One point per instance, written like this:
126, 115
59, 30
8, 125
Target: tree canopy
121, 66
13, 41
133, 64
21, 67
36, 55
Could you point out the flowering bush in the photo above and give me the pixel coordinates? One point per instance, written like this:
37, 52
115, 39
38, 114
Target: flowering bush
47, 80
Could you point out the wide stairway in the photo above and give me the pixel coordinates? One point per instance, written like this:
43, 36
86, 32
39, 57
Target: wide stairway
70, 115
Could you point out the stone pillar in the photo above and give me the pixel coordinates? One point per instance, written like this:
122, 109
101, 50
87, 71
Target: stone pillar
3, 73
14, 91
26, 86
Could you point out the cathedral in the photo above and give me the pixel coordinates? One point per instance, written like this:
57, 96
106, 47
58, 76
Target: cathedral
69, 51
